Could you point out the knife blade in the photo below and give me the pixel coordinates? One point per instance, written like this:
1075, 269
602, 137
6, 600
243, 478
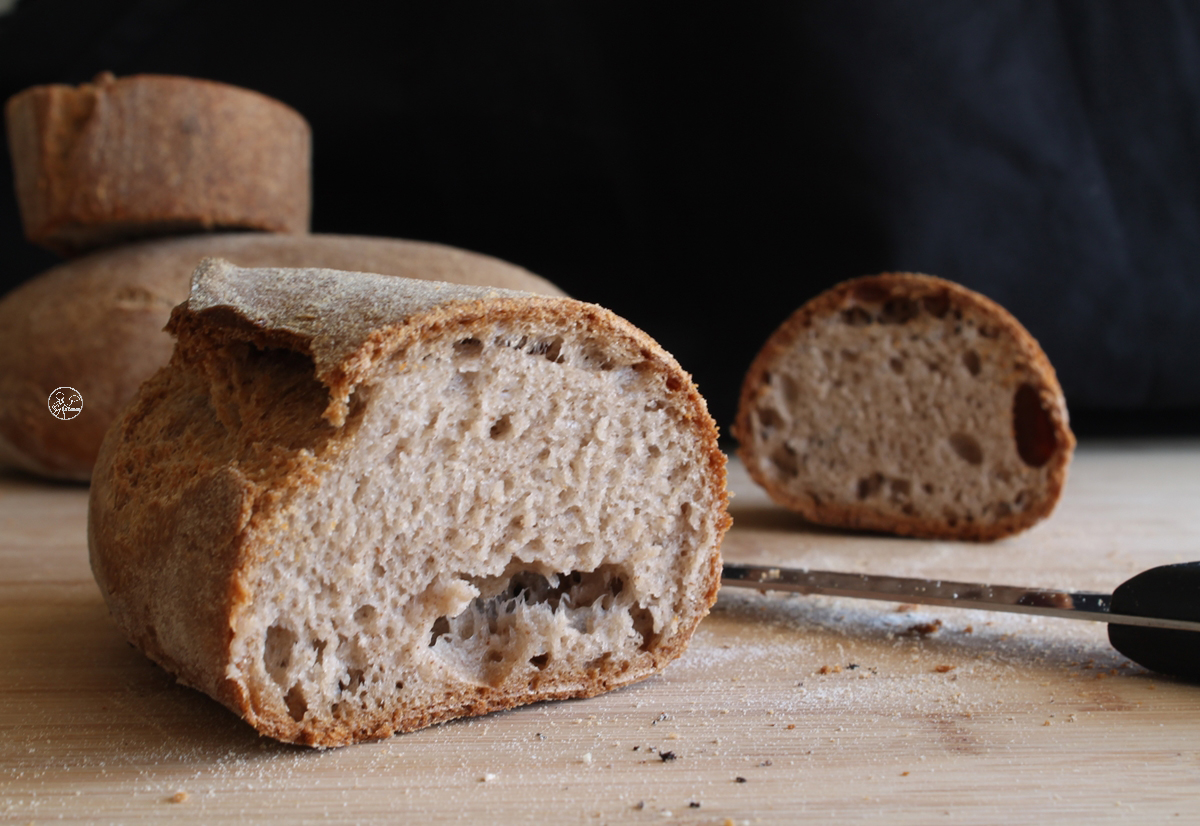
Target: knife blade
1151, 617
1078, 605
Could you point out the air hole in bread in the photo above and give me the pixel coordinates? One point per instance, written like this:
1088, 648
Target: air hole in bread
365, 614
785, 461
936, 305
277, 652
441, 627
516, 342
352, 680
967, 447
899, 311
768, 418
857, 317
897, 365
550, 348
593, 355
789, 388
868, 486
643, 626
468, 347
565, 608
598, 664
1032, 427
502, 428
972, 362
297, 705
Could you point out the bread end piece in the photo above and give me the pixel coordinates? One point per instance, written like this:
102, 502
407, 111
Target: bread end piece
119, 159
906, 404
352, 506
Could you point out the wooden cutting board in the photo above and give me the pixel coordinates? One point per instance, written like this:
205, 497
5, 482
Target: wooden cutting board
784, 708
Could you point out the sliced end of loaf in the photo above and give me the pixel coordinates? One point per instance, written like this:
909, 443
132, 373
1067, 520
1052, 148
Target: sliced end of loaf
907, 404
523, 501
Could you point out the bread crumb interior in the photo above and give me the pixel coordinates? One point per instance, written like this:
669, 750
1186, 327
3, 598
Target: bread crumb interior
918, 409
512, 508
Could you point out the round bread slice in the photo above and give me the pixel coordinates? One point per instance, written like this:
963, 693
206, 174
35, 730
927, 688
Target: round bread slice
354, 505
906, 404
95, 324
146, 155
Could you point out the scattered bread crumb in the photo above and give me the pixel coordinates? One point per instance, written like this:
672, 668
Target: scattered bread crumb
942, 669
178, 797
923, 629
830, 669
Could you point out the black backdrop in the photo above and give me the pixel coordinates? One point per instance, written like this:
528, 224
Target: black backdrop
703, 172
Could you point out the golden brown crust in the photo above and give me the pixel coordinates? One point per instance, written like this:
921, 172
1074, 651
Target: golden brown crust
96, 324
169, 456
147, 155
941, 294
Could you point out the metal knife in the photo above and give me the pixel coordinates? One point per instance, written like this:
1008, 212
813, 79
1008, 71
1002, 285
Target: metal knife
1153, 617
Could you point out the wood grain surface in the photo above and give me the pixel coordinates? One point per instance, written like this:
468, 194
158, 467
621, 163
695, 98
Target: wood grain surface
784, 709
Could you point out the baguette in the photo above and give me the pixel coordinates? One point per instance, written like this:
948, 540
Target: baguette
354, 505
906, 404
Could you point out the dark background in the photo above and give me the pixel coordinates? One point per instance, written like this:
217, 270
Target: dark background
703, 173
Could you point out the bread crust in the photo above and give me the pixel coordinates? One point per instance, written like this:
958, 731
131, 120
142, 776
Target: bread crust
948, 296
147, 548
96, 324
145, 155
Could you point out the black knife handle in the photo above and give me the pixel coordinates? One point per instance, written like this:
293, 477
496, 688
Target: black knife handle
1171, 592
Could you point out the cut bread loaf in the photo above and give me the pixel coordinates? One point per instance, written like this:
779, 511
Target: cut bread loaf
96, 324
906, 404
146, 155
354, 505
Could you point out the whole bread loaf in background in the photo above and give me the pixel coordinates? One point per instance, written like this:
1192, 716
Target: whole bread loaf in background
146, 155
907, 404
354, 505
96, 324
